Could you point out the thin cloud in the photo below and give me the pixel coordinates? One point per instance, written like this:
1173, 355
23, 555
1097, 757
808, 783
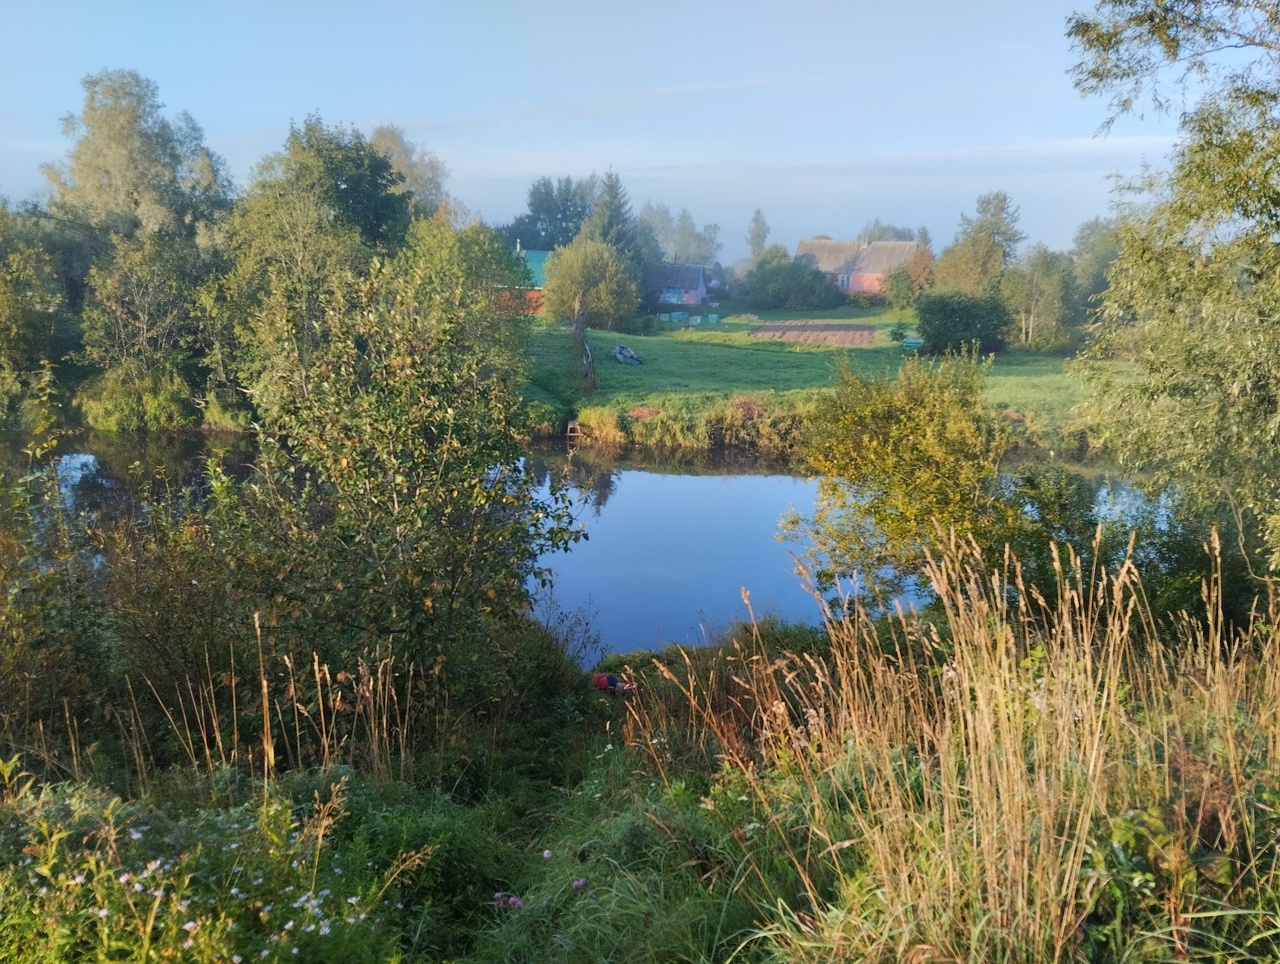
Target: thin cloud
608, 106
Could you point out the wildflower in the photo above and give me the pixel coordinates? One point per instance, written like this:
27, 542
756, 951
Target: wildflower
189, 926
353, 900
122, 879
135, 834
580, 883
547, 855
103, 912
515, 902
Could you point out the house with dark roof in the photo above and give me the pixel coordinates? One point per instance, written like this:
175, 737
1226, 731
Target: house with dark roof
675, 284
857, 266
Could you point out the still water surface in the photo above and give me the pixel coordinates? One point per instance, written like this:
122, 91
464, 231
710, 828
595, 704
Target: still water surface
671, 544
667, 556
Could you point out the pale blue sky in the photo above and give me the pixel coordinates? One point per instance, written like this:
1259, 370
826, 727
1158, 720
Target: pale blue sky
822, 113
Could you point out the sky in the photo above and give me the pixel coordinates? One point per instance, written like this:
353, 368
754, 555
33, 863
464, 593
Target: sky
822, 113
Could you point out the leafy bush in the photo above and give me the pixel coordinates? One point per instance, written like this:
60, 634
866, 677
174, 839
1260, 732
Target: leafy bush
131, 398
955, 321
779, 282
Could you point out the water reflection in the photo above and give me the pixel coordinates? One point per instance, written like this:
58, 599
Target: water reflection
671, 545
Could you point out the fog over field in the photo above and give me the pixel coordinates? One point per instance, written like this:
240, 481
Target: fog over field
822, 114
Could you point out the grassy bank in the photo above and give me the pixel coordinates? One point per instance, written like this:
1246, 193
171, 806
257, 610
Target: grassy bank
716, 385
990, 781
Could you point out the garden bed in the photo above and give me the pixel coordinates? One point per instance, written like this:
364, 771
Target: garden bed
818, 333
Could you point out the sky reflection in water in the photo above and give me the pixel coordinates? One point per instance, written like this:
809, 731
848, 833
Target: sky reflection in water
668, 556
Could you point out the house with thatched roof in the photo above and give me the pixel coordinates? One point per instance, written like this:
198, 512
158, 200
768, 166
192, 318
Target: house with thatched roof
675, 284
857, 265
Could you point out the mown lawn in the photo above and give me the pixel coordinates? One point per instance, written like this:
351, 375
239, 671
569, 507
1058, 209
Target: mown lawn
721, 361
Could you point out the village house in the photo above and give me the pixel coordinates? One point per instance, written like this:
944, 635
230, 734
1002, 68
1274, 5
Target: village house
857, 266
675, 284
536, 262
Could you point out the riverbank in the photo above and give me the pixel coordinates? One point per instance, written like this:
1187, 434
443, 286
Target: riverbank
875, 790
716, 386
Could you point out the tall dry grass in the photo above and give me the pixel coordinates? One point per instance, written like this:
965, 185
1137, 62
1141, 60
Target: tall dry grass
1014, 779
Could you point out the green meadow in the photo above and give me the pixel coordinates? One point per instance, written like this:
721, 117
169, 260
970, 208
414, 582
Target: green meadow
692, 377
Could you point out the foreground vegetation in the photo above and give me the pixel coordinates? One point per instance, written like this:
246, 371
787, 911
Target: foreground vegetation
1002, 778
305, 710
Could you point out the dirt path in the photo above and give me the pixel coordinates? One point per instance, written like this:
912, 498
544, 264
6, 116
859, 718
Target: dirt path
845, 334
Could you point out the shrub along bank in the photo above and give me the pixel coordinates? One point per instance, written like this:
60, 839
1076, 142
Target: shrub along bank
717, 386
1001, 778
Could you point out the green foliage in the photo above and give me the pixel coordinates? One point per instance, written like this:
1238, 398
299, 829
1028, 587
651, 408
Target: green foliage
689, 245
131, 170
52, 626
902, 461
422, 173
1040, 292
877, 230
84, 876
777, 281
1094, 251
32, 315
611, 222
1192, 300
135, 396
757, 234
899, 289
986, 243
317, 211
556, 211
589, 279
955, 321
141, 303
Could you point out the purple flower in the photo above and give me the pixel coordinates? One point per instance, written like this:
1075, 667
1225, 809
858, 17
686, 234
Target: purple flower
580, 883
515, 902
547, 855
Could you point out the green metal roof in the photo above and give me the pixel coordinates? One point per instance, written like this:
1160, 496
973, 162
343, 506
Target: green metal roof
537, 264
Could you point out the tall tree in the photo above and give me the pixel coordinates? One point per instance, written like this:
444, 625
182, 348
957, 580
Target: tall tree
320, 209
131, 169
31, 312
757, 234
423, 527
661, 221
1039, 289
1194, 295
612, 222
588, 283
985, 244
1095, 251
422, 173
141, 306
876, 230
556, 210
689, 245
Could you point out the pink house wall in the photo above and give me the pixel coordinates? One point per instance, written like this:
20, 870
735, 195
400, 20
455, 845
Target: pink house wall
869, 283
